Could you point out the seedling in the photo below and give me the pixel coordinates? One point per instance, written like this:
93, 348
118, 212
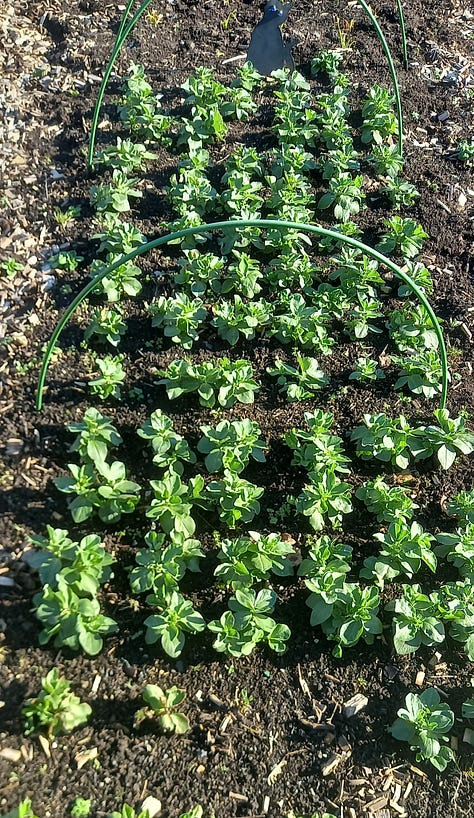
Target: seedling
56, 709
387, 502
302, 383
251, 558
106, 325
247, 623
415, 621
10, 267
458, 548
95, 433
74, 622
24, 810
162, 706
112, 376
65, 260
404, 550
81, 808
465, 152
64, 217
170, 626
403, 236
236, 499
462, 507
423, 723
170, 449
324, 500
366, 371
128, 812
231, 444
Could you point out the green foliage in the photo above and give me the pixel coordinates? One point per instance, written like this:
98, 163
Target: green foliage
112, 376
379, 121
126, 155
171, 505
163, 705
170, 449
405, 548
465, 152
84, 566
128, 812
299, 383
106, 325
65, 260
317, 450
326, 555
225, 382
415, 620
449, 438
95, 433
345, 194
390, 440
74, 622
248, 623
324, 500
161, 566
24, 810
99, 486
239, 318
81, 808
326, 62
412, 329
252, 558
177, 617
181, 318
115, 196
346, 611
125, 280
366, 370
56, 709
455, 605
458, 548
462, 507
387, 502
421, 372
399, 192
10, 267
300, 323
403, 237
231, 444
423, 723
236, 499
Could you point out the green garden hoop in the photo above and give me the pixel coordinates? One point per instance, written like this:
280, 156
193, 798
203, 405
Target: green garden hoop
236, 223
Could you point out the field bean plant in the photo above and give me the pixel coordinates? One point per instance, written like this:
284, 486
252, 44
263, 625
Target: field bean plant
260, 431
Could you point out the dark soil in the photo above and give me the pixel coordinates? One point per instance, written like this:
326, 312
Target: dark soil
273, 754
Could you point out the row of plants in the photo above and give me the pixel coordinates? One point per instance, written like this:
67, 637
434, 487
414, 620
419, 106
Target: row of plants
72, 573
299, 296
81, 808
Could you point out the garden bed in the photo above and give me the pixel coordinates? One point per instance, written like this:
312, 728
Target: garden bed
272, 733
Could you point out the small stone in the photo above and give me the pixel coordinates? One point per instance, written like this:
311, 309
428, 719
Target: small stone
354, 705
153, 805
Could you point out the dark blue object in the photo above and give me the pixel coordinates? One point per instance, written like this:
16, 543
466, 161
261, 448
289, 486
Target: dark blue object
267, 51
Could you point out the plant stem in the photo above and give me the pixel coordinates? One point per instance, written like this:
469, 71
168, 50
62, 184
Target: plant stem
393, 73
203, 228
403, 33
